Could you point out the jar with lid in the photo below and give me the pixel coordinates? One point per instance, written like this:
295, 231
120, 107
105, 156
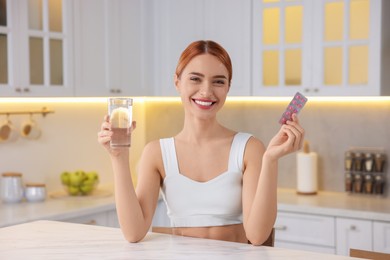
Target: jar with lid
348, 162
11, 187
348, 182
35, 192
358, 162
358, 183
379, 185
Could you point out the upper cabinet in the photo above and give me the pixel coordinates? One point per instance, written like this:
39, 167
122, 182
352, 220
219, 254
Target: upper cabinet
324, 48
36, 48
109, 48
177, 23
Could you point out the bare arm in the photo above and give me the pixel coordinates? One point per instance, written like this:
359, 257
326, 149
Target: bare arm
260, 179
135, 208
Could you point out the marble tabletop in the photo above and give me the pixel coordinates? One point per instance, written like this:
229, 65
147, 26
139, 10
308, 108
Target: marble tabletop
58, 240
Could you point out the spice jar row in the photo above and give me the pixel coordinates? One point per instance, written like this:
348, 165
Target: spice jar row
365, 171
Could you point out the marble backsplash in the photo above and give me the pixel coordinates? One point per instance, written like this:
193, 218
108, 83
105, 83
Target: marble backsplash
69, 141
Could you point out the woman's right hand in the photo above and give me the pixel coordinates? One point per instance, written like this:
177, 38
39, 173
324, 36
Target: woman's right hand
105, 133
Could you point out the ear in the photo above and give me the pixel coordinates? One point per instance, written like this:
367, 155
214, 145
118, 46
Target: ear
177, 83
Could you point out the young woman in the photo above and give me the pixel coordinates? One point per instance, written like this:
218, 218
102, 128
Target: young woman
217, 183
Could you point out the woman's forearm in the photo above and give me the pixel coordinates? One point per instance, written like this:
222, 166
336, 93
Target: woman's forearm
129, 210
264, 207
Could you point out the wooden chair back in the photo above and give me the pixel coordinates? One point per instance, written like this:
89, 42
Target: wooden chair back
368, 254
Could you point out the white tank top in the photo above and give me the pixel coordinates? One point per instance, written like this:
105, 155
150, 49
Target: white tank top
217, 202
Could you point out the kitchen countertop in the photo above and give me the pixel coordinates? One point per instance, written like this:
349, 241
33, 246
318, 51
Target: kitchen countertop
58, 240
59, 208
338, 204
324, 203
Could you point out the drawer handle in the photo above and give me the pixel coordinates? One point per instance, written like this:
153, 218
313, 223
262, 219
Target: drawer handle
352, 227
281, 227
90, 222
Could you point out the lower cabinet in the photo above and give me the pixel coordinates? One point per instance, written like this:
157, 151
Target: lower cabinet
353, 233
330, 234
305, 232
107, 219
381, 237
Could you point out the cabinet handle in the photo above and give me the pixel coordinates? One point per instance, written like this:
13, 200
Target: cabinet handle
90, 222
18, 89
26, 90
316, 90
352, 227
115, 90
281, 227
306, 90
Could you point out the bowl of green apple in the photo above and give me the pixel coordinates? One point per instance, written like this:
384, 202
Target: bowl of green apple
80, 183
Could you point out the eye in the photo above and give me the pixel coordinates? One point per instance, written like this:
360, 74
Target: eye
219, 82
195, 79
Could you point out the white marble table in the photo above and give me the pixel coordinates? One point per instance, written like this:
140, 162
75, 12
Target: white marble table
57, 240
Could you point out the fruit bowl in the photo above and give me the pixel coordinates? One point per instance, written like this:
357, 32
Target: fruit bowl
79, 182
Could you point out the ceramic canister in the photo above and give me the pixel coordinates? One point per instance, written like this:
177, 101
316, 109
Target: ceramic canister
11, 187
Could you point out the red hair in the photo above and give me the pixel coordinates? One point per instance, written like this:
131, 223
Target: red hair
204, 47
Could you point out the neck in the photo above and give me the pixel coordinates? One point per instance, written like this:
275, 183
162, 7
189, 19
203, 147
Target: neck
197, 130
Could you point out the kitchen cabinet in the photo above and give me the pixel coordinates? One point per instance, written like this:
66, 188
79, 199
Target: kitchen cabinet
324, 48
353, 233
305, 232
178, 23
109, 48
381, 236
36, 52
107, 219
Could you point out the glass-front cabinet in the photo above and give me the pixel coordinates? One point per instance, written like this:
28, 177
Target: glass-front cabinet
322, 47
35, 48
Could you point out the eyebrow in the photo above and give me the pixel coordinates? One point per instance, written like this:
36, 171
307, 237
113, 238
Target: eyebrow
201, 75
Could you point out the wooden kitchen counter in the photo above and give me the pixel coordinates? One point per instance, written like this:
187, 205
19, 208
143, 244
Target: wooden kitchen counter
58, 240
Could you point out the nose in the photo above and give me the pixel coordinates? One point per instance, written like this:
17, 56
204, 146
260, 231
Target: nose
206, 89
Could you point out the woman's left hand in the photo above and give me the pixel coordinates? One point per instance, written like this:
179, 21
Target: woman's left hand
289, 139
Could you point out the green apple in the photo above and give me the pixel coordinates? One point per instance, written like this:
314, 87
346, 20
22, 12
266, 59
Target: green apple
76, 178
86, 189
73, 190
65, 178
91, 178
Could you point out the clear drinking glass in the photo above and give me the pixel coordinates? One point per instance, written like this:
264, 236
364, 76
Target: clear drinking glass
120, 111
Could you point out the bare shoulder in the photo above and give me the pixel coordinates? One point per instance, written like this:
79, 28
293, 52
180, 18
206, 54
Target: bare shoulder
254, 151
151, 157
255, 145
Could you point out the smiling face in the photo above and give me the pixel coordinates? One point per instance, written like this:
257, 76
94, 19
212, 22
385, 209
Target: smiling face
203, 85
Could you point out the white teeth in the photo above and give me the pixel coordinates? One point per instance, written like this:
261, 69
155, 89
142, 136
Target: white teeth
203, 103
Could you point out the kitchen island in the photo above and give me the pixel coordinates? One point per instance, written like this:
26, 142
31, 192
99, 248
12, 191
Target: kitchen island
58, 240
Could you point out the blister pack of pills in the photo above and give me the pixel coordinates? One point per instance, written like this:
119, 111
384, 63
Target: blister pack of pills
294, 107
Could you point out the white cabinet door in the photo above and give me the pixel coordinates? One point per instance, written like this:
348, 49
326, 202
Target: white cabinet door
36, 41
106, 218
177, 23
381, 237
228, 22
108, 48
305, 231
100, 219
353, 233
321, 48
180, 22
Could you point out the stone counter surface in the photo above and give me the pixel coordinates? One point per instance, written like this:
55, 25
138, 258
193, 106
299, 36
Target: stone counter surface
54, 209
58, 240
337, 204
